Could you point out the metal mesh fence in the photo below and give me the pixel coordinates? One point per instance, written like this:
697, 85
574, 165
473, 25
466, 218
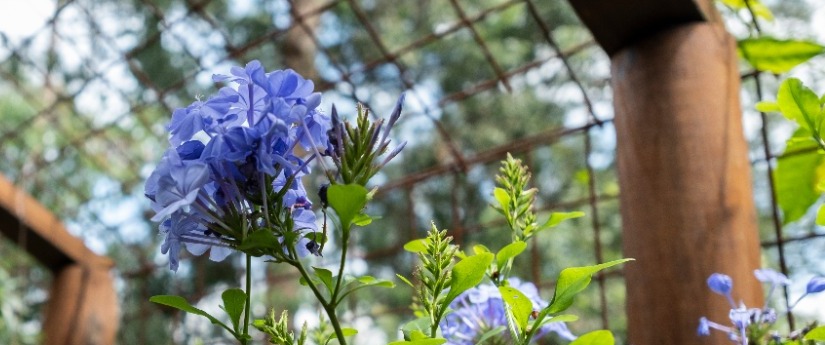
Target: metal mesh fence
86, 92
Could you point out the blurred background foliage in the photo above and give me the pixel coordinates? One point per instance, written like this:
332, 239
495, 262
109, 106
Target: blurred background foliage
85, 94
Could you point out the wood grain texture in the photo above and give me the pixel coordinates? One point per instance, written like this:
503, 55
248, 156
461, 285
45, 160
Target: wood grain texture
83, 308
686, 198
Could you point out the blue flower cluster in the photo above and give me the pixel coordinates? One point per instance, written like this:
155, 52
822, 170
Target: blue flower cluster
233, 159
742, 317
481, 309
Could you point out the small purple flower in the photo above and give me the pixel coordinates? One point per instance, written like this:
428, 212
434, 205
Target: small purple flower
252, 73
815, 285
185, 229
767, 275
768, 316
481, 309
721, 284
180, 188
741, 319
289, 85
704, 327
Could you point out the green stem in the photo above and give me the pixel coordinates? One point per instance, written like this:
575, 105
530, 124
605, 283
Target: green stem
245, 336
329, 308
339, 280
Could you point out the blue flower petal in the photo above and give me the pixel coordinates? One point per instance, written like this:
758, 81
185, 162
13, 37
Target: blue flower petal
720, 283
815, 285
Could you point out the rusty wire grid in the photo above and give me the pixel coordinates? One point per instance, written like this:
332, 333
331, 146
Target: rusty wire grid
84, 107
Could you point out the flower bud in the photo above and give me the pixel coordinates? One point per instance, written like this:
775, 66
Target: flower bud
720, 283
815, 285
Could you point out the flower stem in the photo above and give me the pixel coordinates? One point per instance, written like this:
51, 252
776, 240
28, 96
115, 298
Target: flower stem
329, 307
344, 246
245, 337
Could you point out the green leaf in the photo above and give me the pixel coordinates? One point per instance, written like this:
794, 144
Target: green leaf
759, 9
557, 217
796, 176
417, 337
798, 103
346, 331
562, 318
325, 276
234, 301
767, 107
600, 337
420, 324
318, 237
519, 304
468, 273
489, 334
820, 215
777, 56
347, 201
362, 220
371, 281
180, 303
258, 241
816, 334
509, 251
416, 246
572, 281
503, 200
480, 248
405, 280
367, 281
427, 341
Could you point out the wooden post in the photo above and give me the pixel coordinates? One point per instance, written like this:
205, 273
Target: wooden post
686, 200
83, 306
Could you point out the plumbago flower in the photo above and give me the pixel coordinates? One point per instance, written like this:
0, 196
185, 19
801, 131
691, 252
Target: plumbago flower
232, 167
752, 325
480, 310
231, 180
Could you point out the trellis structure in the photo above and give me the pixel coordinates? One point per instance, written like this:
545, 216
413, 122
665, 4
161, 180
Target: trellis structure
83, 305
686, 201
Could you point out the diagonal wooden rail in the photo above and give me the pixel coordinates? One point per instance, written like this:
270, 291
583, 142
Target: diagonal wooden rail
686, 200
83, 305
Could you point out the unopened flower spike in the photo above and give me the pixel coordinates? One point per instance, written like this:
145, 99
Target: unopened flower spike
357, 150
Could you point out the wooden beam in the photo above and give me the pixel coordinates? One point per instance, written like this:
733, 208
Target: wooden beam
29, 224
83, 305
686, 200
619, 23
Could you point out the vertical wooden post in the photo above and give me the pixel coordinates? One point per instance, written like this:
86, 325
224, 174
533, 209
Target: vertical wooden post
82, 307
686, 199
